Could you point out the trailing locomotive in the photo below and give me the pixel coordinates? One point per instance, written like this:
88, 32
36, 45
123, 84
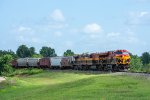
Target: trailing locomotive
111, 60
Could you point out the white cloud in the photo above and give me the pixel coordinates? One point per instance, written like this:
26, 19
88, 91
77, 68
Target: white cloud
138, 14
46, 28
55, 21
126, 38
142, 14
26, 35
24, 39
114, 37
57, 15
92, 28
58, 33
136, 18
23, 29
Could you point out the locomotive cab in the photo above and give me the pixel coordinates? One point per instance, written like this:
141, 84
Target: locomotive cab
122, 56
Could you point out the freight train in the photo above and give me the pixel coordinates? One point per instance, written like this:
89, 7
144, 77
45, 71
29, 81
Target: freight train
116, 60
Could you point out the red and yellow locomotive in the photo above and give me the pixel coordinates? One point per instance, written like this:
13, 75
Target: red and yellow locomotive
110, 60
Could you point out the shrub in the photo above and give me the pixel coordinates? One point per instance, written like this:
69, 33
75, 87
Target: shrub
146, 68
5, 66
136, 64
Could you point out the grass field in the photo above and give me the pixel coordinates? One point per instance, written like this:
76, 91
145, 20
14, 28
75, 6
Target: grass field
74, 86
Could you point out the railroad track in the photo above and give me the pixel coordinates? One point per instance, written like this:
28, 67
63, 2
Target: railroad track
80, 71
136, 74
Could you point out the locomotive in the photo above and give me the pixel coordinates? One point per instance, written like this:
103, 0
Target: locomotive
116, 60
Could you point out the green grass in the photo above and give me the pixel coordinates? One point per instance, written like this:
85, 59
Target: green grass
74, 86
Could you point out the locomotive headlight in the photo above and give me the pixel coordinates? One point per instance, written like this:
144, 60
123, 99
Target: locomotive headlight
128, 60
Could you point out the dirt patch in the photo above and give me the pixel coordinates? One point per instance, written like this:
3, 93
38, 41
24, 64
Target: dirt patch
2, 79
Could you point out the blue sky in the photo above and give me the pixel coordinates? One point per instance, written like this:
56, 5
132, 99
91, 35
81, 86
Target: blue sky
79, 25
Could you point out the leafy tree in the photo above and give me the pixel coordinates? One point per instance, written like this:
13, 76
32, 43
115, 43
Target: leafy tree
146, 68
68, 53
23, 51
136, 63
145, 58
5, 66
32, 51
10, 52
47, 52
37, 56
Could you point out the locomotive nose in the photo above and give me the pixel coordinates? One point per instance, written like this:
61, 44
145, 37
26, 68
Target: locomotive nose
126, 59
123, 59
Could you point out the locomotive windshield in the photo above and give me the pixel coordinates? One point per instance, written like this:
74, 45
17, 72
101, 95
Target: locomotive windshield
118, 52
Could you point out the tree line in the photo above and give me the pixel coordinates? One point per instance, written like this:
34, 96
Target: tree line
24, 51
138, 63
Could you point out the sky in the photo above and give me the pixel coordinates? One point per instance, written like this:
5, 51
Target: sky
79, 25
